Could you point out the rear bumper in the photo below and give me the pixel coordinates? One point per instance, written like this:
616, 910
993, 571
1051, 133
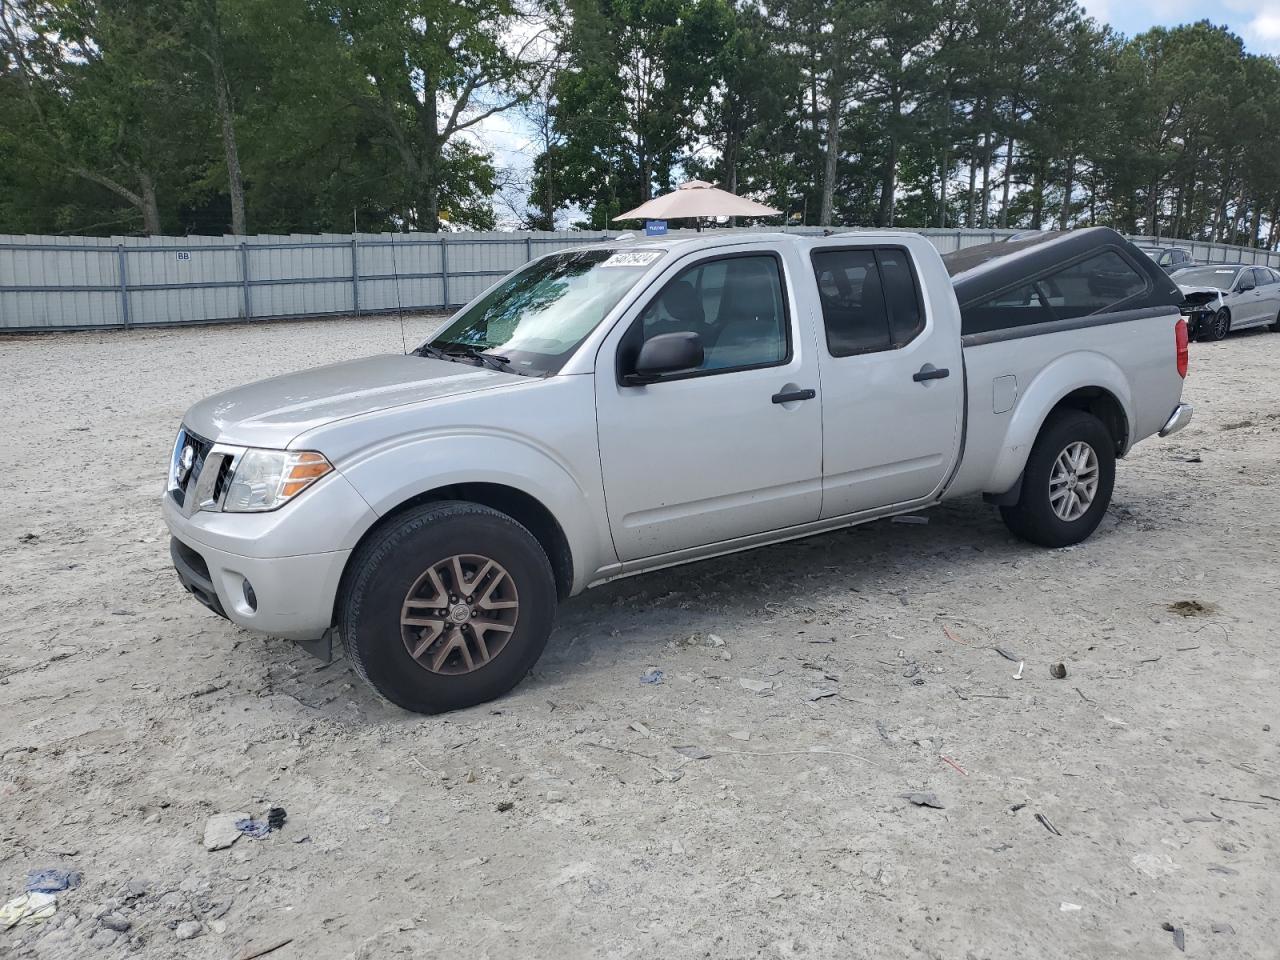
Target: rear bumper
1180, 417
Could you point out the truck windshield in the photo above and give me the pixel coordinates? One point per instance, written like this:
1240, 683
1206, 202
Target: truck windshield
536, 318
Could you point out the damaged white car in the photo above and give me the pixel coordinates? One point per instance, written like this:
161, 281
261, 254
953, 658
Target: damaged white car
1229, 296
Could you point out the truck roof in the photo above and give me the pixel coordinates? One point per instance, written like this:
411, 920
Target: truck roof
722, 238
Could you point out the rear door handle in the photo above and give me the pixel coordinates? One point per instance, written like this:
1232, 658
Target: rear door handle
792, 395
930, 372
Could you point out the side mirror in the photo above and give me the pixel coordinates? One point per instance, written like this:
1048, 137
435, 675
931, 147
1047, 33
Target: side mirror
666, 353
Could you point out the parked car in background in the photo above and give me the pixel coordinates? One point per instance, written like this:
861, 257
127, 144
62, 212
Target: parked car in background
1170, 259
1222, 297
633, 405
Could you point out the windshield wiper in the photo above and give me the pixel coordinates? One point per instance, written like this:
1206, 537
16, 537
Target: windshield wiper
464, 351
498, 362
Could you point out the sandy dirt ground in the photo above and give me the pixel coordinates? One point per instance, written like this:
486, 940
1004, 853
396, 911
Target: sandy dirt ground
562, 821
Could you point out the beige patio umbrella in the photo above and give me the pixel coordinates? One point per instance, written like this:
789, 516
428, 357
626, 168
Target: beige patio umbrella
696, 199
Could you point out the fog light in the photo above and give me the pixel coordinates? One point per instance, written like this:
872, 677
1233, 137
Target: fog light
250, 597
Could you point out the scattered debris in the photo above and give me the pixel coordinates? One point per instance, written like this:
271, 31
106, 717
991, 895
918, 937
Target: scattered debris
555, 796
911, 518
1202, 818
256, 829
1191, 608
1048, 824
1082, 696
957, 766
714, 641
52, 880
1225, 871
28, 910
221, 831
1016, 807
640, 728
652, 675
29, 538
252, 953
1018, 675
911, 671
1058, 671
1223, 928
923, 800
1006, 654
1179, 935
188, 930
693, 753
814, 694
276, 817
882, 730
756, 686
1070, 907
504, 805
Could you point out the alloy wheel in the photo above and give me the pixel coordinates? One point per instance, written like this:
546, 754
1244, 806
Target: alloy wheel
459, 614
1073, 481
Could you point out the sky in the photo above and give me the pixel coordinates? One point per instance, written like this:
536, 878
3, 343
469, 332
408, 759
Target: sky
1257, 21
509, 139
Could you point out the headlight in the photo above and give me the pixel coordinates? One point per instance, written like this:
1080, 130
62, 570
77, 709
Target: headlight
267, 479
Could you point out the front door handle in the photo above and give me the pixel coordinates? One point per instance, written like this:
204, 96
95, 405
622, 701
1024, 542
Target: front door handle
791, 396
930, 372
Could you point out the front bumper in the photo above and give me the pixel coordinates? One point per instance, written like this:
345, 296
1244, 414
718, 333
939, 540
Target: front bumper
1180, 417
293, 558
292, 597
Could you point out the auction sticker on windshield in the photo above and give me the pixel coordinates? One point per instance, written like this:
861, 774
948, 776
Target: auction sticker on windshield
632, 258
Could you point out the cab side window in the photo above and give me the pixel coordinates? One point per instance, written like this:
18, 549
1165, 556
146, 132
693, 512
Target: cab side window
736, 306
870, 299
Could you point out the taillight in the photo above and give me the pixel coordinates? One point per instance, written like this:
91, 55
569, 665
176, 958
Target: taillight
1180, 338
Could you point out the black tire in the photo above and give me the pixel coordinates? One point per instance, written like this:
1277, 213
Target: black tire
387, 565
1275, 325
1218, 326
1033, 517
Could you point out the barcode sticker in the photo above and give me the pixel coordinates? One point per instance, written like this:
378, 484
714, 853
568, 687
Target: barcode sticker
632, 258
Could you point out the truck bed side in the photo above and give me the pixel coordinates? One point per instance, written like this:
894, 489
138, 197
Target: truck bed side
1121, 366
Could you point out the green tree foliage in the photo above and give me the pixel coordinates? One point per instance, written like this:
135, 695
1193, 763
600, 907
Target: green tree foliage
212, 116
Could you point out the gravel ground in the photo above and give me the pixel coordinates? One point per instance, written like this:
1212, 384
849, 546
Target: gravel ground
563, 821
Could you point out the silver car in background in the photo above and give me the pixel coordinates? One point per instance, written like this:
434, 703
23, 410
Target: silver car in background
1169, 259
1229, 296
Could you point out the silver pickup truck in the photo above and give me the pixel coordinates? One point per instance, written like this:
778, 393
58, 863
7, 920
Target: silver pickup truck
616, 408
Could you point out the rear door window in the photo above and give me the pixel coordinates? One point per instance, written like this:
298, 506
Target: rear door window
870, 299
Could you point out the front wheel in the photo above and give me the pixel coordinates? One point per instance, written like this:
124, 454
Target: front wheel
1218, 327
447, 606
1275, 324
1067, 484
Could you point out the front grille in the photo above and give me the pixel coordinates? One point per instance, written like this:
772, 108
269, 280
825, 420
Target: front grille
179, 485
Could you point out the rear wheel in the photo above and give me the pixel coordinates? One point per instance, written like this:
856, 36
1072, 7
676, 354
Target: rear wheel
448, 606
1218, 326
1067, 484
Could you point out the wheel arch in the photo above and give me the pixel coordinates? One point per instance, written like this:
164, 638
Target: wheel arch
1081, 380
520, 506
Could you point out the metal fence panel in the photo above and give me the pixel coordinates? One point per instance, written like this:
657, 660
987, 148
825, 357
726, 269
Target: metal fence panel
63, 283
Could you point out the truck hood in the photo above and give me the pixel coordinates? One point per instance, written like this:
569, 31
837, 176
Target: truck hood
270, 413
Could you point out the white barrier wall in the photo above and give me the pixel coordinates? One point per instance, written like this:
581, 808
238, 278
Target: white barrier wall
69, 283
